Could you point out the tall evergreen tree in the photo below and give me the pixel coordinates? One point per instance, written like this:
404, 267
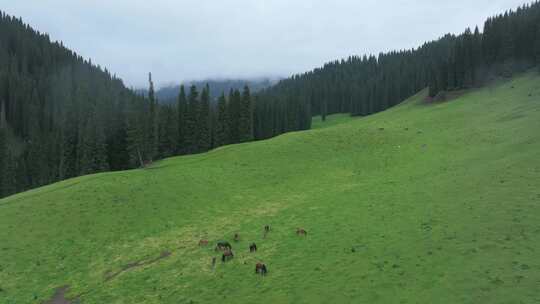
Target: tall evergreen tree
203, 121
537, 52
152, 142
136, 133
117, 143
167, 131
182, 108
192, 133
222, 122
245, 119
3, 158
324, 109
235, 106
93, 147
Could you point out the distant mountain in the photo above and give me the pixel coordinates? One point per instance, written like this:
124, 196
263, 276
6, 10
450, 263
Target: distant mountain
217, 86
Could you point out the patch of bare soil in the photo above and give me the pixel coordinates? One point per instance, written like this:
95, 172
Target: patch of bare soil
59, 297
445, 96
111, 275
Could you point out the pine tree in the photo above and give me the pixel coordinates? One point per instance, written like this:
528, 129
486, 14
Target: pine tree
135, 130
235, 105
152, 143
203, 121
118, 155
507, 49
477, 56
192, 113
245, 119
93, 149
468, 64
3, 158
222, 123
324, 109
537, 53
167, 131
181, 109
433, 83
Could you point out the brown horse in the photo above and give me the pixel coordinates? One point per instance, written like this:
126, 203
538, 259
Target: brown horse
260, 268
223, 245
300, 231
227, 255
203, 243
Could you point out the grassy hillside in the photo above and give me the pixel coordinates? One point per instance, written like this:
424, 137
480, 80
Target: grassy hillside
419, 204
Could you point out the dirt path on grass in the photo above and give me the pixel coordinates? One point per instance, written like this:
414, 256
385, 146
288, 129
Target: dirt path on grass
111, 275
59, 297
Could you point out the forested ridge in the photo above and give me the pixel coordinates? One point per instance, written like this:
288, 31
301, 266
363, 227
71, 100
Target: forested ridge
363, 85
61, 116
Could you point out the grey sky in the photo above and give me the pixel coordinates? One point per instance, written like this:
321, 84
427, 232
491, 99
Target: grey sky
195, 39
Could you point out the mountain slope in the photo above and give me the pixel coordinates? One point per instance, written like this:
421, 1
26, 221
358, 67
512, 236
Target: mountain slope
417, 204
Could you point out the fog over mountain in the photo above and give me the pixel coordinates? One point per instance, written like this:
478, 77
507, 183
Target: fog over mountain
169, 93
179, 40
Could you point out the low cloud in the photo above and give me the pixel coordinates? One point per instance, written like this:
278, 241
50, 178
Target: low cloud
189, 39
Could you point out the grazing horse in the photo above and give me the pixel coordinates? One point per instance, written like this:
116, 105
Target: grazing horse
252, 247
266, 230
236, 237
300, 231
227, 255
223, 245
203, 243
261, 269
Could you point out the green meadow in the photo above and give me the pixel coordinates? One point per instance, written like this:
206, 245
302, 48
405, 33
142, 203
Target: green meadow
422, 203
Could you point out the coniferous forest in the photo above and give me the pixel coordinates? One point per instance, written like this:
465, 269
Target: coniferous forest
62, 116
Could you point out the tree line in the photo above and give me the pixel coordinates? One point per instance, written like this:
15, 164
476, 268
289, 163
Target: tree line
62, 116
363, 85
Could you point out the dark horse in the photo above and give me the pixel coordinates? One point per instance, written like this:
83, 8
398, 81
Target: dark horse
301, 231
266, 230
236, 237
227, 255
261, 269
252, 247
223, 245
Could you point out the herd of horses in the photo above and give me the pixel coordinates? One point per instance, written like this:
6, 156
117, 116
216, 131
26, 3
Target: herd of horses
227, 254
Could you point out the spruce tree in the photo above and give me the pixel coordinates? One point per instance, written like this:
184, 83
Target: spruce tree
477, 56
93, 148
136, 135
324, 109
117, 145
235, 105
152, 141
222, 122
205, 139
537, 53
181, 109
245, 119
3, 160
192, 135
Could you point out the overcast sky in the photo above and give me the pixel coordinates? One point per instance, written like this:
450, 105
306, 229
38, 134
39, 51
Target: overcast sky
195, 39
